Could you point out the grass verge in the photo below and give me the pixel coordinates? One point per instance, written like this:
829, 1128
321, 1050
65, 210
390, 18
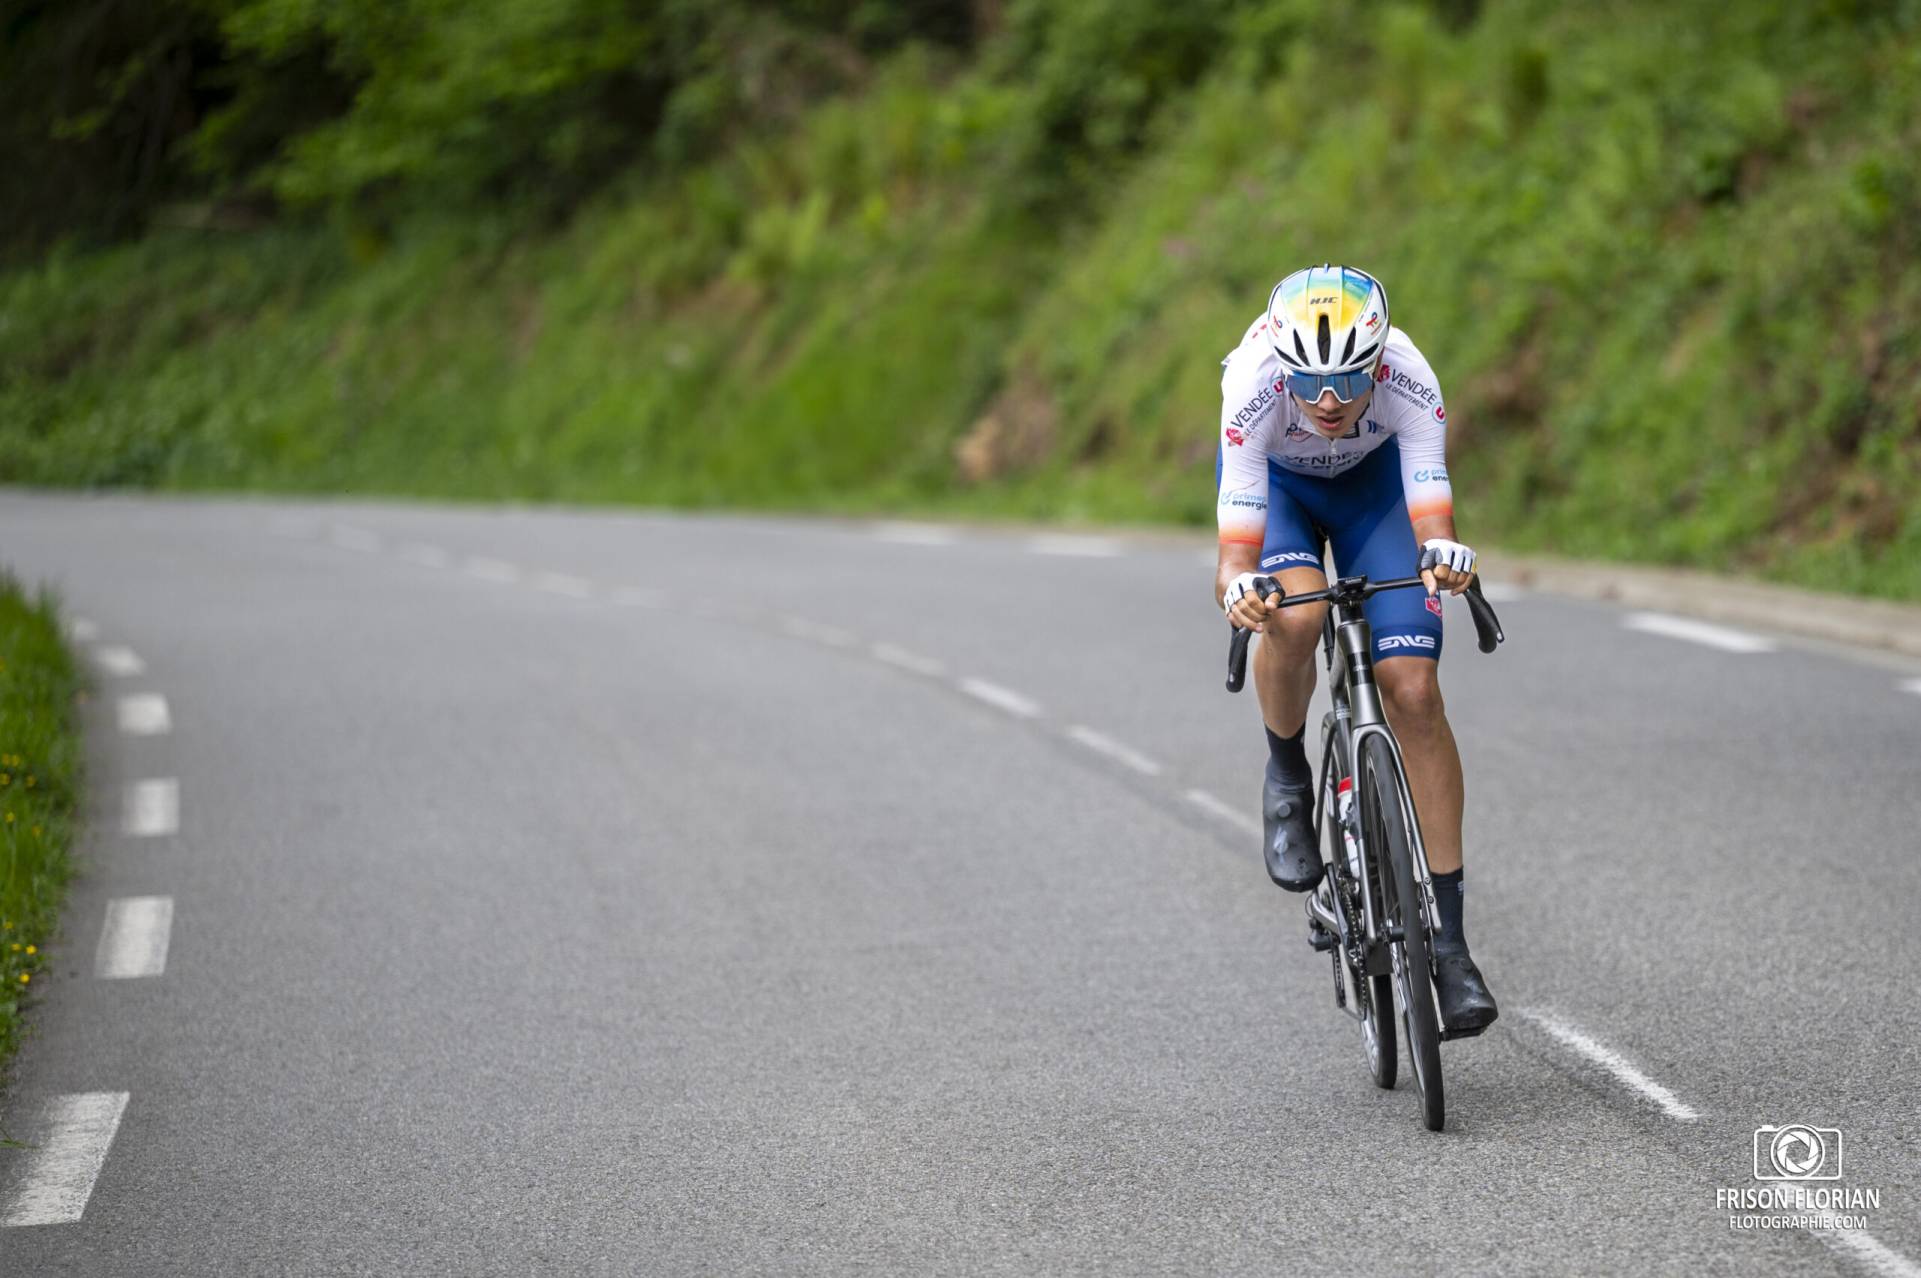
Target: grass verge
40, 777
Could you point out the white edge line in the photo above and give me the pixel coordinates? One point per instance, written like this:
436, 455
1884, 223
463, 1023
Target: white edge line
894, 655
349, 538
491, 569
133, 943
119, 661
1001, 698
1876, 1256
1614, 1063
152, 808
915, 534
560, 583
1076, 547
1911, 685
60, 1172
144, 714
1126, 756
1727, 640
82, 630
1216, 806
635, 597
419, 552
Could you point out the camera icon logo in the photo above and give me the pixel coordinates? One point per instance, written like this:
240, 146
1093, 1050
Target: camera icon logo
1796, 1151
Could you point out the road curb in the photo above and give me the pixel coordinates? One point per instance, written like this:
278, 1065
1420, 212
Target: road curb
1846, 619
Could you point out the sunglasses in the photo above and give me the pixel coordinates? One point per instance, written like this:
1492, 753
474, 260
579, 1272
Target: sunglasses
1347, 387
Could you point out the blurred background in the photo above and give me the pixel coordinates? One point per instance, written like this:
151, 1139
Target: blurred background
971, 256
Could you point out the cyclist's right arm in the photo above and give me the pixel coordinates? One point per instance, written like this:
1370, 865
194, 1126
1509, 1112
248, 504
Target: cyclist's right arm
1249, 408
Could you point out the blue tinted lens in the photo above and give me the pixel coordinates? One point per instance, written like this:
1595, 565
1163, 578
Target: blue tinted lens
1347, 387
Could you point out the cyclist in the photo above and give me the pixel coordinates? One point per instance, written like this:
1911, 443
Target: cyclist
1333, 427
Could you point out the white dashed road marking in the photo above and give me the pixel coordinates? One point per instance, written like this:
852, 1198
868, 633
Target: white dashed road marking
416, 552
353, 538
915, 534
82, 630
134, 941
1660, 623
1911, 685
152, 808
119, 662
492, 570
60, 1171
1614, 1063
635, 597
144, 714
832, 636
1077, 547
1875, 1256
1001, 698
560, 583
1126, 756
901, 657
1218, 807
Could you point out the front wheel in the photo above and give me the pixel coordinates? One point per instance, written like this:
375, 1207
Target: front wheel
1385, 810
1377, 1019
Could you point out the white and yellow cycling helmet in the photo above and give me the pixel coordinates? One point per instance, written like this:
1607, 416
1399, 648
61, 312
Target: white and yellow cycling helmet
1329, 325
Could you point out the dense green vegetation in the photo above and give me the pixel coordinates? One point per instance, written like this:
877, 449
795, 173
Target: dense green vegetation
1665, 257
39, 781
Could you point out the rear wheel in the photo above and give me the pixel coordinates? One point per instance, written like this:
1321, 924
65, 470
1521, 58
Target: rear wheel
1385, 811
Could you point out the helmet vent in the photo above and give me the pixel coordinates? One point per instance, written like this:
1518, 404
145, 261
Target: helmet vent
1326, 341
1298, 348
1366, 354
1347, 356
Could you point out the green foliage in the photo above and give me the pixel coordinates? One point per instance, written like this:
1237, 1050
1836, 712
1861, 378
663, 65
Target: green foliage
40, 765
1666, 260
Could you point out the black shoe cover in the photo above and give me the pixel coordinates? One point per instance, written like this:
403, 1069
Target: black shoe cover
1466, 1005
1293, 857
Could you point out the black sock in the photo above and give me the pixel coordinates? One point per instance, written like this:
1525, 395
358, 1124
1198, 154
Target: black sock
1447, 898
1290, 759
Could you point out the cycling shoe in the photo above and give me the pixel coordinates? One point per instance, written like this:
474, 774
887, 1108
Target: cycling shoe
1466, 1005
1292, 853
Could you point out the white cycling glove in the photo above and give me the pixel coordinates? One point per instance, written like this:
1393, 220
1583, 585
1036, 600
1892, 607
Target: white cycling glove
1237, 590
1439, 552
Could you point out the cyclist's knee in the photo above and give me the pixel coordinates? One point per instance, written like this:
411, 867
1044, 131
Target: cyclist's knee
1291, 634
1411, 686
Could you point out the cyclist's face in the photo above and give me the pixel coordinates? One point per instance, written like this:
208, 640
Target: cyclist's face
1330, 416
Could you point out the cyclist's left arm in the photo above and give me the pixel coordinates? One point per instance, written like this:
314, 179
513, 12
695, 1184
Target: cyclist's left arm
1422, 432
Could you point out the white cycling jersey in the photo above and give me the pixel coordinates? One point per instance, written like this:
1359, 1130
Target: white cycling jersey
1260, 420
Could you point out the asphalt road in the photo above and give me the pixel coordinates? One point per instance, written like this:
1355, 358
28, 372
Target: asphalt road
632, 893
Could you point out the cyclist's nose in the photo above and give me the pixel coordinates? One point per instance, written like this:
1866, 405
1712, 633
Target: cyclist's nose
1328, 402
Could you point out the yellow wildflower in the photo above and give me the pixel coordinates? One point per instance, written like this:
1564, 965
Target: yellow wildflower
25, 977
32, 950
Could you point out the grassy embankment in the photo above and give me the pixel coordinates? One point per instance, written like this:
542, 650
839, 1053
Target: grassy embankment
1666, 260
40, 763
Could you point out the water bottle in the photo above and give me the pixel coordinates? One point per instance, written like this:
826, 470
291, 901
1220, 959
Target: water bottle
1345, 810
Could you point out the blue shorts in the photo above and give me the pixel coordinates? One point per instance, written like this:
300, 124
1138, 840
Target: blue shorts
1363, 515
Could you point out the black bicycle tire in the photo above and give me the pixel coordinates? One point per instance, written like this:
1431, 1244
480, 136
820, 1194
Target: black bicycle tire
1384, 1057
1386, 818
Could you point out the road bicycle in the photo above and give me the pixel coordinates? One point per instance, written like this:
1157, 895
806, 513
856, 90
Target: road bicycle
1374, 907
